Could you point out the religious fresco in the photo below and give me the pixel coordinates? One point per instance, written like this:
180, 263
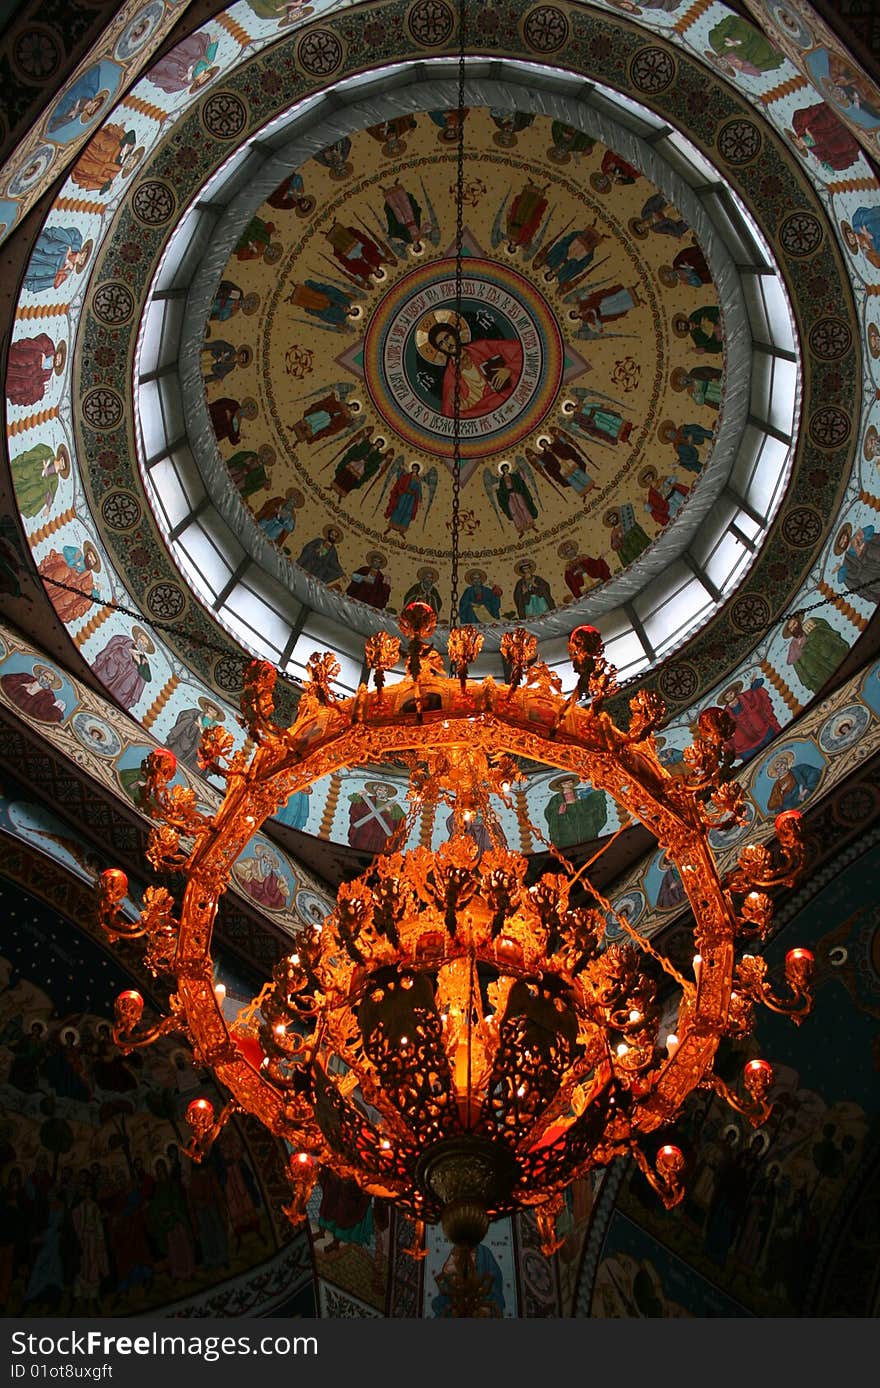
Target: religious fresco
761, 1203
100, 1206
65, 476
583, 318
577, 568
848, 96
111, 748
92, 92
638, 1277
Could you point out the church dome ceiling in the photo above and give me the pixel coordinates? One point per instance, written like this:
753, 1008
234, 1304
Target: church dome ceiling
263, 285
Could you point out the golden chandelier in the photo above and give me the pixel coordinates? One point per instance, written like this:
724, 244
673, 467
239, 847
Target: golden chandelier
453, 1039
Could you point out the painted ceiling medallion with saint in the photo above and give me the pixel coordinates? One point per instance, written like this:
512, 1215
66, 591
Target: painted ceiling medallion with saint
589, 344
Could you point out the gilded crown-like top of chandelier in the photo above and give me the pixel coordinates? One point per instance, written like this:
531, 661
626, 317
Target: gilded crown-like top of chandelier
451, 1037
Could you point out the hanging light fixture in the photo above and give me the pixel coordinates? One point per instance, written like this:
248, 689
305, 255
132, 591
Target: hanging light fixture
453, 1037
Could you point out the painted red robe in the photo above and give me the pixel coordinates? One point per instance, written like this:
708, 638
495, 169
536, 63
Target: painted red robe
478, 354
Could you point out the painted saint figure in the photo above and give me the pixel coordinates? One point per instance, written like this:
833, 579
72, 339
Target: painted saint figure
686, 439
227, 416
478, 594
689, 266
188, 66
35, 693
73, 567
184, 738
404, 500
368, 583
277, 516
815, 649
323, 419
515, 499
112, 150
255, 242
35, 475
82, 101
425, 589
659, 217
231, 299
581, 570
860, 569
794, 782
743, 47
817, 131
703, 384
58, 252
628, 539
575, 813
122, 666
489, 369
373, 815
219, 358
755, 722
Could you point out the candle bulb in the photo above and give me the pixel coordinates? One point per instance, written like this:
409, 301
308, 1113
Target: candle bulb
220, 993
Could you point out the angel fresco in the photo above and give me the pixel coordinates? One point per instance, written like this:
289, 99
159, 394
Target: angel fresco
604, 306
511, 494
531, 596
570, 461
596, 416
408, 488
405, 219
335, 158
329, 304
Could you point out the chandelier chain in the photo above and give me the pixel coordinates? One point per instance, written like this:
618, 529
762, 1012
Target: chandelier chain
459, 336
603, 903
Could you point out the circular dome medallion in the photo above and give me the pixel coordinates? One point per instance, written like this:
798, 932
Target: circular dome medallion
511, 356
